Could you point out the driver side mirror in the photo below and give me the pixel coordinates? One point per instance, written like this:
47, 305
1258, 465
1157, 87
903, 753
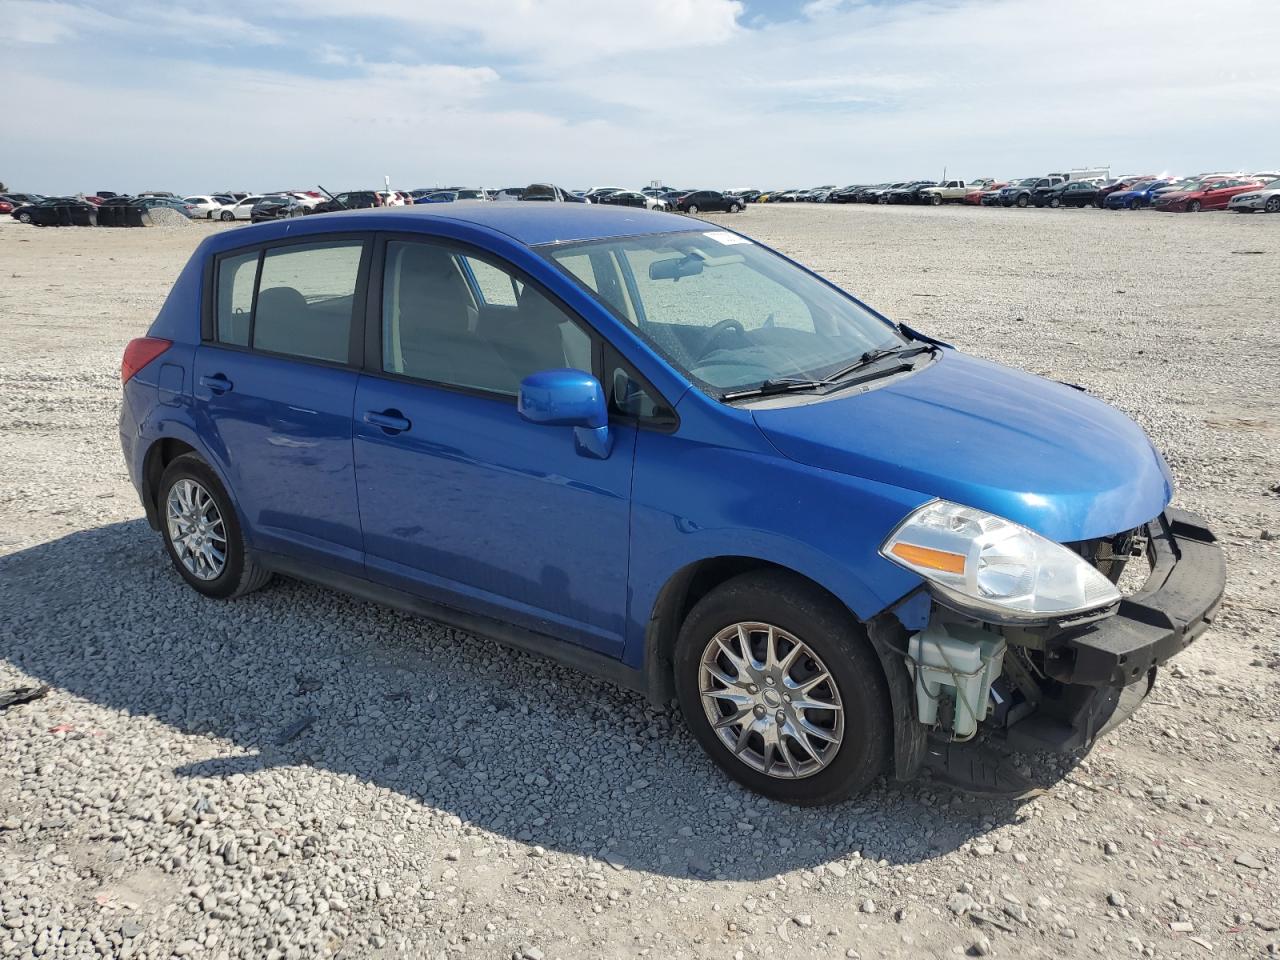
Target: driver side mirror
569, 398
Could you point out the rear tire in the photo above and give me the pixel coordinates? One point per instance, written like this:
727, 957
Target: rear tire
238, 573
797, 610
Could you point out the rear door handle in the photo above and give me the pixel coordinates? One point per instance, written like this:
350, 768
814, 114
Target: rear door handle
389, 420
217, 383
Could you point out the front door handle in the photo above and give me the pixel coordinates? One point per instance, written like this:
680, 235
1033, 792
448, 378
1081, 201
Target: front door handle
217, 383
390, 421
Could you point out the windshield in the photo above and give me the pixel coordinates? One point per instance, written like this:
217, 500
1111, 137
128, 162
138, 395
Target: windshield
1184, 185
727, 312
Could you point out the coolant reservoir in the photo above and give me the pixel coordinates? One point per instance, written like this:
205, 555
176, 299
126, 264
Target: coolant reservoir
959, 662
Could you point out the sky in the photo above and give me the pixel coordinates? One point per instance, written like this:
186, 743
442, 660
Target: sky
111, 94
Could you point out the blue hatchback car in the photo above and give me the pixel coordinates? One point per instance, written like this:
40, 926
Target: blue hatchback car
664, 453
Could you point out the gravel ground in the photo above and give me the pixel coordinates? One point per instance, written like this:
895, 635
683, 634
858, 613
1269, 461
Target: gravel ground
300, 774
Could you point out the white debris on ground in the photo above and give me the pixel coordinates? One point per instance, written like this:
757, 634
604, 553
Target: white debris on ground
302, 774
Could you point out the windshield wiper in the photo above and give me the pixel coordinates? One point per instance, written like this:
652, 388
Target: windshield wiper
775, 385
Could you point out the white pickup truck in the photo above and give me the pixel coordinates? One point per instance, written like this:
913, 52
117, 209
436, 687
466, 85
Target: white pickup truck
949, 191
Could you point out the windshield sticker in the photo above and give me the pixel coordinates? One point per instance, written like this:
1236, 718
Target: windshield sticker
725, 237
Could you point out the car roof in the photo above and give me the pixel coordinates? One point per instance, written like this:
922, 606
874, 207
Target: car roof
529, 223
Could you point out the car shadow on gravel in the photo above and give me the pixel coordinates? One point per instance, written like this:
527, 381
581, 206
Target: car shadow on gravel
508, 742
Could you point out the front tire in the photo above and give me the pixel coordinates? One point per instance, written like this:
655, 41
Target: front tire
1054, 203
24, 218
693, 208
1272, 205
202, 533
227, 216
780, 685
1193, 206
734, 208
1023, 201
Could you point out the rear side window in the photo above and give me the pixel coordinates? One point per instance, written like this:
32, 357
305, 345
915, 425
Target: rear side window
306, 294
236, 276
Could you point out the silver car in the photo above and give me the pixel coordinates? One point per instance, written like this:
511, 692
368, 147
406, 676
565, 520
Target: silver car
1265, 198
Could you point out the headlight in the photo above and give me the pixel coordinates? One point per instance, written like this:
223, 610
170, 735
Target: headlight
986, 565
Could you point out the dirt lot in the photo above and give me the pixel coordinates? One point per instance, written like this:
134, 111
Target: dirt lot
299, 773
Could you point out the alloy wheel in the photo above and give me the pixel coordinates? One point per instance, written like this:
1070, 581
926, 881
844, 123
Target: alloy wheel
771, 700
196, 529
1273, 205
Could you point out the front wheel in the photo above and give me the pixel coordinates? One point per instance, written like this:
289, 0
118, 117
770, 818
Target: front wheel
1054, 202
693, 208
24, 218
1193, 206
1273, 205
1023, 200
780, 685
227, 216
936, 200
202, 533
734, 208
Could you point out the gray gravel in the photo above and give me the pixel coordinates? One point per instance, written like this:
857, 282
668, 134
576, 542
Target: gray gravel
301, 774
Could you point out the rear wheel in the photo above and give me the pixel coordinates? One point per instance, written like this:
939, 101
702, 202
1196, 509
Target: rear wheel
780, 686
202, 533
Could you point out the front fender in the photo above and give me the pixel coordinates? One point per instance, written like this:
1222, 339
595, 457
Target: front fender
693, 502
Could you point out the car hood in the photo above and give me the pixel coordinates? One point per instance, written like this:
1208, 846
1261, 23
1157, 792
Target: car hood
1178, 194
1034, 451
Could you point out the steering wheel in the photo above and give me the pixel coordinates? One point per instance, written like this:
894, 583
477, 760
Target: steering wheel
718, 331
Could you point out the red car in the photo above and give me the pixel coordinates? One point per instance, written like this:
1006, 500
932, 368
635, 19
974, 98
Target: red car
6, 206
975, 195
1212, 193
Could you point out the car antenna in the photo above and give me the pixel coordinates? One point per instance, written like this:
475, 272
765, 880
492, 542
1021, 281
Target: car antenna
332, 197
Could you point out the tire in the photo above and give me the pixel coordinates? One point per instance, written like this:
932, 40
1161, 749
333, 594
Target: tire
1193, 206
1272, 205
791, 607
1023, 200
734, 208
24, 218
226, 216
693, 208
1055, 203
936, 200
239, 573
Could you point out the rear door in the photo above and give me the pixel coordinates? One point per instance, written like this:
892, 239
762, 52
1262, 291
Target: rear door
275, 381
461, 500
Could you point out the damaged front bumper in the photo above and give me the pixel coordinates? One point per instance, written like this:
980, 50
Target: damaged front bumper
1064, 684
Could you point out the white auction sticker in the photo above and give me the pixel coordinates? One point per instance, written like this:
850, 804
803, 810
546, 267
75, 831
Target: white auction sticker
725, 237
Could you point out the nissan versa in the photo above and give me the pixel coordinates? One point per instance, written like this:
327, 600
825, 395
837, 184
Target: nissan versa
666, 454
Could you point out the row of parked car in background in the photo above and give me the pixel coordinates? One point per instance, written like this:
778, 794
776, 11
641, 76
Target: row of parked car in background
1236, 191
230, 205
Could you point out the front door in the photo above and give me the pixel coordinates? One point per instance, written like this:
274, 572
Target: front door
274, 390
461, 500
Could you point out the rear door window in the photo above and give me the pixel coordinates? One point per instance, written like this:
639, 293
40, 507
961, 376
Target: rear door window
306, 297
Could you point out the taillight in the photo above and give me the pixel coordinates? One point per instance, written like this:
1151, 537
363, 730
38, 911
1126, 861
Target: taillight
139, 353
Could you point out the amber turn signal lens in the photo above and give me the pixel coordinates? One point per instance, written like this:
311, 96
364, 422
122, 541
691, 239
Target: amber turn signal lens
933, 559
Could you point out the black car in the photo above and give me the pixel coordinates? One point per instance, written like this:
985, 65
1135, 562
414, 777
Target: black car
706, 200
350, 200
550, 193
622, 198
1073, 193
276, 207
56, 212
847, 194
908, 192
